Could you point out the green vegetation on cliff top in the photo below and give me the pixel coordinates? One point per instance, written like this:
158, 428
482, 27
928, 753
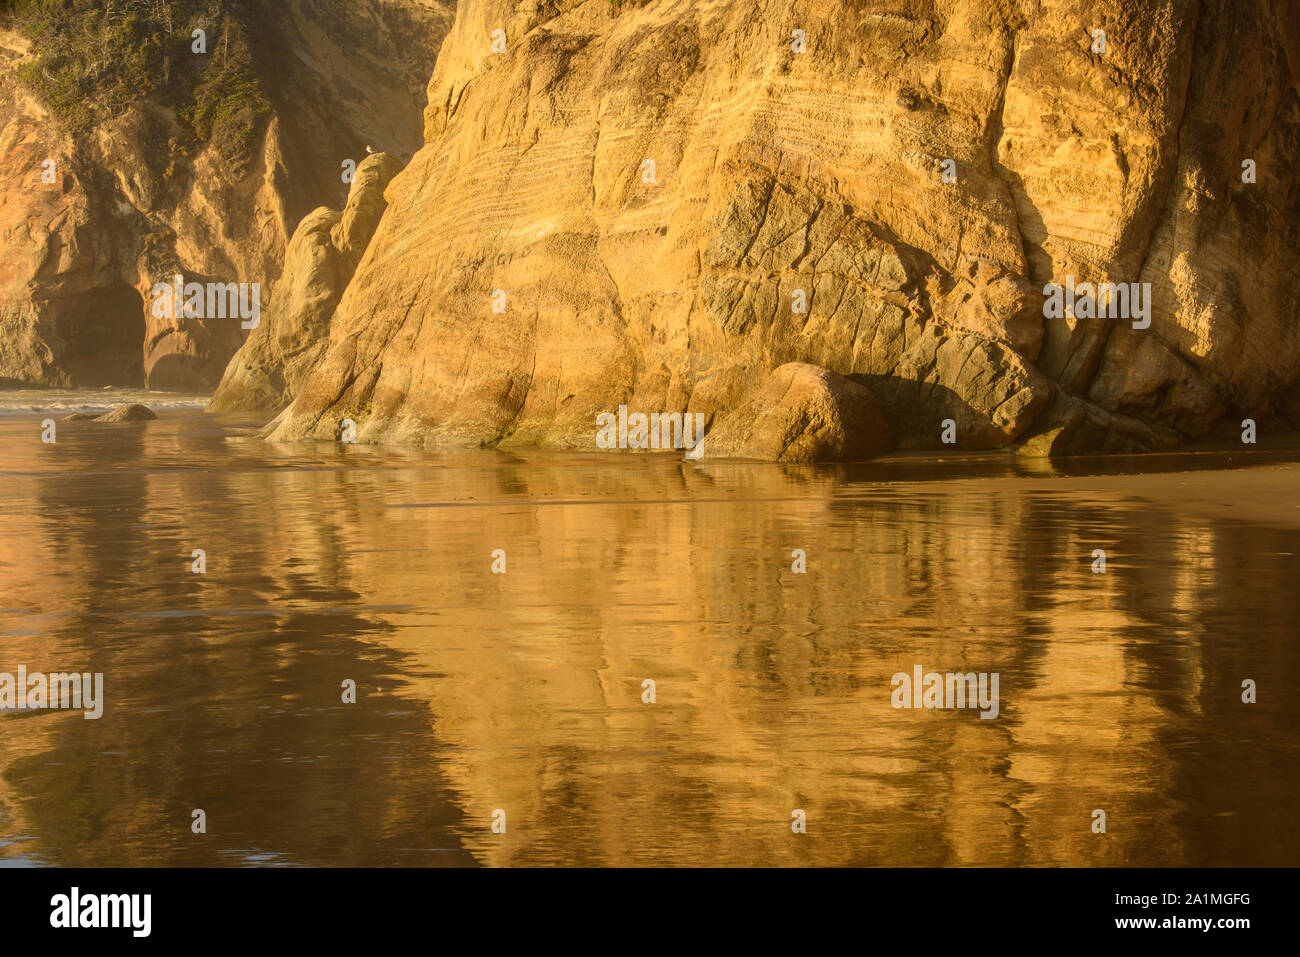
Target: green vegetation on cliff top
92, 58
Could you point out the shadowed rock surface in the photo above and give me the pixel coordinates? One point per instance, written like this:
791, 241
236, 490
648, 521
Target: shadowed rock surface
653, 191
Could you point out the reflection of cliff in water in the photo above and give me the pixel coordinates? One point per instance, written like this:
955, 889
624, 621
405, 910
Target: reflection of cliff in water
223, 690
523, 691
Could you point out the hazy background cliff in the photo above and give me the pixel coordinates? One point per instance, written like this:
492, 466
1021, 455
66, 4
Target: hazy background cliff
778, 173
171, 161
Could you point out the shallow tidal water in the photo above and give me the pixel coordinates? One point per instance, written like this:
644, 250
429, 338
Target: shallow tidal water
523, 691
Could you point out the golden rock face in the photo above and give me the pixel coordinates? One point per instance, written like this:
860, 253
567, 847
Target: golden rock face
320, 259
658, 205
633, 205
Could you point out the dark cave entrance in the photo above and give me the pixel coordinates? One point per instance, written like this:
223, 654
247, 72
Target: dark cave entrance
104, 332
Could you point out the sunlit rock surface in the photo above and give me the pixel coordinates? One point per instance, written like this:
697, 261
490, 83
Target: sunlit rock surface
658, 204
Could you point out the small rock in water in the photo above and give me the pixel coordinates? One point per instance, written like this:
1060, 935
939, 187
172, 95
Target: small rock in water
80, 417
128, 413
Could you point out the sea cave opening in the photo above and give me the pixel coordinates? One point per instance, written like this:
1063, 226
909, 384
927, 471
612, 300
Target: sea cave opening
105, 332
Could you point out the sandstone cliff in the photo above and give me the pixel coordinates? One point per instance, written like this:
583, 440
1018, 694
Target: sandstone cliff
133, 158
629, 203
268, 370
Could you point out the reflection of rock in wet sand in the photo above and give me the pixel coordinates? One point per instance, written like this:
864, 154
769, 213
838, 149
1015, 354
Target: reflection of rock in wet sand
522, 691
